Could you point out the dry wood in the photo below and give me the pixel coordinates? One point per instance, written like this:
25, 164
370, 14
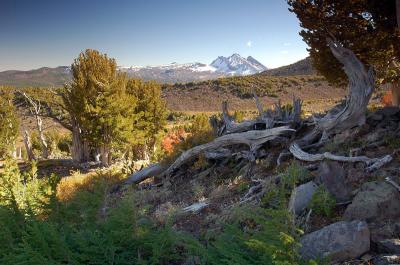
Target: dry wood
35, 109
253, 139
361, 86
195, 207
372, 163
150, 171
28, 145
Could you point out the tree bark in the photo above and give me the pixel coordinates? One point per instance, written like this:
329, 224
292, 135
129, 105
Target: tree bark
361, 86
78, 149
42, 138
395, 89
105, 155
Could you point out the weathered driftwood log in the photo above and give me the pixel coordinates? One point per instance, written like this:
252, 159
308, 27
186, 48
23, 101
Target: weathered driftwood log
150, 171
253, 139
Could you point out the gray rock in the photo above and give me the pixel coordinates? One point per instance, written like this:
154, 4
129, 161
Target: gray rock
391, 246
388, 111
301, 197
333, 176
383, 230
387, 260
375, 201
339, 241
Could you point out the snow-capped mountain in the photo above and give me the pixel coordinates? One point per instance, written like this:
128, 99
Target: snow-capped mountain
168, 73
174, 72
237, 65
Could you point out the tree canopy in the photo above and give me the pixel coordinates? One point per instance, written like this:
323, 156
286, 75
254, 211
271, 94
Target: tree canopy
367, 27
9, 123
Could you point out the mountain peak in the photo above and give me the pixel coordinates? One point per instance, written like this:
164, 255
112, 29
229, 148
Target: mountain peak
237, 65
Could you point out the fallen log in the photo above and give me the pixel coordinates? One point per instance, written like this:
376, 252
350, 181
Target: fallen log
150, 171
253, 139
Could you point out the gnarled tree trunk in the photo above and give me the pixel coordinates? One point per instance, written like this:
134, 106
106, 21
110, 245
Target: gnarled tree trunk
80, 147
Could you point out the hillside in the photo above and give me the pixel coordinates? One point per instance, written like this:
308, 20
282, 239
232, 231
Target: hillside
45, 76
302, 67
208, 95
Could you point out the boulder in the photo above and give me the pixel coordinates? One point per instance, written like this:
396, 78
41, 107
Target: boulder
339, 241
388, 111
333, 176
375, 201
391, 246
301, 197
387, 260
384, 230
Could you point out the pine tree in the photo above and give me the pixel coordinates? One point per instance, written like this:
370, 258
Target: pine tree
99, 104
9, 123
368, 27
151, 114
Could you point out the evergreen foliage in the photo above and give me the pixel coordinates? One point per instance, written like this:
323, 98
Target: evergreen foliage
9, 123
81, 223
368, 28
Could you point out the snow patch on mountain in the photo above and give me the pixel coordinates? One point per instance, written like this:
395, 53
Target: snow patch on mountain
238, 65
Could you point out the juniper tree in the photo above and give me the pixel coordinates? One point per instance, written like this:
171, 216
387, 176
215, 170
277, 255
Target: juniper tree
367, 27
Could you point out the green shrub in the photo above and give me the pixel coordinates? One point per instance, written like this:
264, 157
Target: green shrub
322, 202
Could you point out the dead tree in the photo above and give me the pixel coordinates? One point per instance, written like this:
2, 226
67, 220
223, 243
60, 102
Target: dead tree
253, 139
352, 114
35, 109
28, 145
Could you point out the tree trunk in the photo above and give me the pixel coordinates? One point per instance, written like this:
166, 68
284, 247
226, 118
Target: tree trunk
42, 138
395, 89
77, 144
28, 146
361, 86
105, 155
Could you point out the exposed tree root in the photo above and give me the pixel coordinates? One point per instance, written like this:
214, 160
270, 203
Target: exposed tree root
372, 163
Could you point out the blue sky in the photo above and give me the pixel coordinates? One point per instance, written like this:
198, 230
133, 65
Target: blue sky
36, 33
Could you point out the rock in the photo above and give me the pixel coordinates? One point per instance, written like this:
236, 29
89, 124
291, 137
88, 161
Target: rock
377, 200
391, 246
301, 197
376, 116
388, 111
339, 241
384, 230
356, 176
387, 260
333, 177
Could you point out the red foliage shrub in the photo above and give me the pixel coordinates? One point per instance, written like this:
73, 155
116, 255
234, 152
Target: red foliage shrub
387, 98
173, 138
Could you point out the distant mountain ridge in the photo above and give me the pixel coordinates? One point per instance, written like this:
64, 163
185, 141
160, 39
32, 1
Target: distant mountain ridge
302, 67
234, 65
